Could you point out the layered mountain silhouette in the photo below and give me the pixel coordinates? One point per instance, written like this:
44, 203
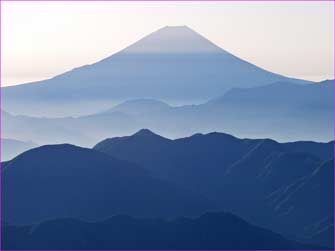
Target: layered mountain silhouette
282, 111
244, 176
42, 130
280, 105
174, 64
211, 231
282, 93
269, 184
68, 181
141, 191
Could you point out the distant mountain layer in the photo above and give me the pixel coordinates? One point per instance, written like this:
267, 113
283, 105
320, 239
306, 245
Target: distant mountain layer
287, 93
47, 130
282, 111
11, 148
211, 231
255, 179
68, 181
278, 111
174, 64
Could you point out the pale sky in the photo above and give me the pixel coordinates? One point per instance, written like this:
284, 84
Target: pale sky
42, 39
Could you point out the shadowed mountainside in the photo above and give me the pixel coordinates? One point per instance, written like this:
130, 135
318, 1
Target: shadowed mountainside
268, 183
211, 231
68, 181
237, 172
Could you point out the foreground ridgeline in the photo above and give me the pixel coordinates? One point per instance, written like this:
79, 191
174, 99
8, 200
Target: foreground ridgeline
68, 181
209, 231
267, 183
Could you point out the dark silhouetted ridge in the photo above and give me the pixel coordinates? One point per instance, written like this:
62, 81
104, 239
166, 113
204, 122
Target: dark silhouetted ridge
70, 181
211, 231
252, 178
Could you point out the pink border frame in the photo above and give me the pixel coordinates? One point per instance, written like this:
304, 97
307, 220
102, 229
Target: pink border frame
148, 1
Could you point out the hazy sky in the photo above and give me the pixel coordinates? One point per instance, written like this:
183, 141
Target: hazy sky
43, 39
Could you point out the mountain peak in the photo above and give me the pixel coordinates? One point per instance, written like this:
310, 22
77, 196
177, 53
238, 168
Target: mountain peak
148, 136
146, 133
176, 27
173, 39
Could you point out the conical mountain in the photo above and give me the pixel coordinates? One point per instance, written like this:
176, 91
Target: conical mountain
173, 64
174, 39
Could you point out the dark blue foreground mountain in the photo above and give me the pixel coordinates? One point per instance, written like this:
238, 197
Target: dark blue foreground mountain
68, 181
267, 183
242, 175
210, 231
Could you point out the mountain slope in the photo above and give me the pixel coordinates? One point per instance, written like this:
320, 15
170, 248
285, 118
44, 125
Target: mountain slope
240, 174
210, 231
314, 192
11, 148
173, 64
305, 111
68, 181
282, 93
293, 112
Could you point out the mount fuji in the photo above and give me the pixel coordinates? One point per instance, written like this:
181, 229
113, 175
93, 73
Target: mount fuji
174, 64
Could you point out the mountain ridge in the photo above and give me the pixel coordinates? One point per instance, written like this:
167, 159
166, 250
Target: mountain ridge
236, 172
209, 231
304, 117
173, 77
91, 182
